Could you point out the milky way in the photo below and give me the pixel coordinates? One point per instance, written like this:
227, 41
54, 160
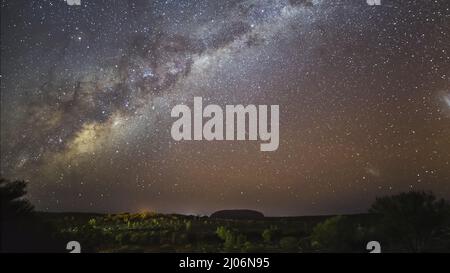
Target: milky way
86, 95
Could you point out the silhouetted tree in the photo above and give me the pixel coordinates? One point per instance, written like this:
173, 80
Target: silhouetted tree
21, 229
411, 220
13, 205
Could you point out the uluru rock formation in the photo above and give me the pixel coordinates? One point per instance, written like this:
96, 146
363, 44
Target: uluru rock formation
242, 214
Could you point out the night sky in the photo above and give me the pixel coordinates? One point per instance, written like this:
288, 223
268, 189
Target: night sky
87, 91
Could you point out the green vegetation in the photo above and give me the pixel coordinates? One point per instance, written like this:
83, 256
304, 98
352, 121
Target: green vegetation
341, 234
407, 222
414, 221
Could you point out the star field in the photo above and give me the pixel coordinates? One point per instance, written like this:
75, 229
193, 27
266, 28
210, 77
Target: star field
86, 95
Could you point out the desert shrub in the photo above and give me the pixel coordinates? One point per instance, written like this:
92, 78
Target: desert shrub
232, 239
188, 225
248, 247
289, 244
139, 238
270, 233
338, 233
92, 222
122, 238
267, 235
